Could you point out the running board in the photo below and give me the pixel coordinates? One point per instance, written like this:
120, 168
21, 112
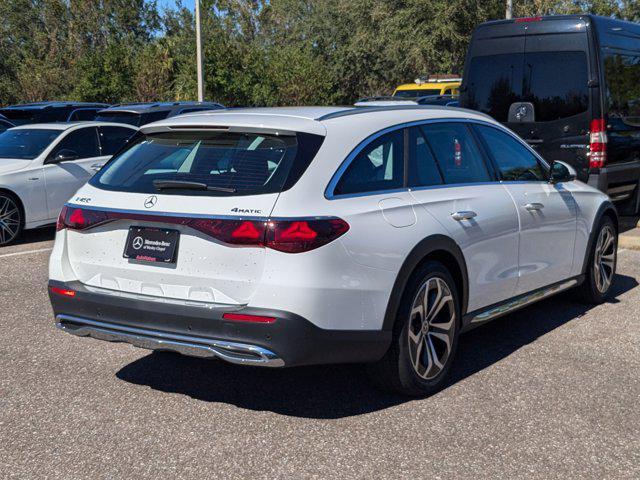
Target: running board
522, 301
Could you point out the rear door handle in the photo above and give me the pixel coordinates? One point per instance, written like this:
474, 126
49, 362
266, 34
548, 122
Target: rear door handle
463, 215
532, 207
96, 166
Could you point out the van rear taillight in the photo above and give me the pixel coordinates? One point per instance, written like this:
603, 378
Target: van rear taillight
598, 143
293, 235
528, 19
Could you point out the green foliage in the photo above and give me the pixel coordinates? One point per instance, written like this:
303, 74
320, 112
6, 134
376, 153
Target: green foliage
257, 52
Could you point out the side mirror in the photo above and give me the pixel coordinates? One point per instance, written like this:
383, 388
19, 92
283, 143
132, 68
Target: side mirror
64, 155
562, 172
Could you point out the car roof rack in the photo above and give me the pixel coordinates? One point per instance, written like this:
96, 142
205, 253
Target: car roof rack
391, 108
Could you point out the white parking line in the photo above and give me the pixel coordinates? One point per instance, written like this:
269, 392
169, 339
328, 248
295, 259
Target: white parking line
26, 253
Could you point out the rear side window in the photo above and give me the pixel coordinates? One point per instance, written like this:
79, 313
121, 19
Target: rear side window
622, 75
113, 139
423, 170
457, 154
83, 114
83, 142
209, 163
154, 116
557, 84
129, 118
379, 166
514, 161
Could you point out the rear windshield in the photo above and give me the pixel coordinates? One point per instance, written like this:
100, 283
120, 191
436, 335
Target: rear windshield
120, 117
555, 82
210, 163
26, 143
417, 93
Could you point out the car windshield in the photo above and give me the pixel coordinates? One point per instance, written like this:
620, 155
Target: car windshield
209, 163
417, 92
120, 117
26, 143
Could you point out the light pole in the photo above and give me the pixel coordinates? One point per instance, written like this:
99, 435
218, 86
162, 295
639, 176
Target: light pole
509, 13
199, 54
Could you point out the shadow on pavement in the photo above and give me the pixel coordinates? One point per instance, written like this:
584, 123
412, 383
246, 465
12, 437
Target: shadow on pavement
337, 391
36, 235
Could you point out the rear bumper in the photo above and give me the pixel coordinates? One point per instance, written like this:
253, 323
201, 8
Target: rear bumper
200, 330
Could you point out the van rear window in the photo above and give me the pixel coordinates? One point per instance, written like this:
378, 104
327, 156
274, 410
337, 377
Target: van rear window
210, 163
555, 82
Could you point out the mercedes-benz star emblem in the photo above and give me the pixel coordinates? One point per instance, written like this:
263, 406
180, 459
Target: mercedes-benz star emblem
522, 112
137, 243
150, 201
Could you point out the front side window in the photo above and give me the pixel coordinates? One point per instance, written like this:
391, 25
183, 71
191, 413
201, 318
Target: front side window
209, 163
456, 152
26, 143
81, 143
514, 161
379, 166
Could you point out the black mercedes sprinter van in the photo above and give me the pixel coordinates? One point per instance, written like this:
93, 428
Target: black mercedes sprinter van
570, 86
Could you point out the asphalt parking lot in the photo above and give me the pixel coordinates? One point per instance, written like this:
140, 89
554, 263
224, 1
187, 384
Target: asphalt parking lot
552, 391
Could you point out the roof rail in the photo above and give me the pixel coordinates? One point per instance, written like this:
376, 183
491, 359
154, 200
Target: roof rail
390, 108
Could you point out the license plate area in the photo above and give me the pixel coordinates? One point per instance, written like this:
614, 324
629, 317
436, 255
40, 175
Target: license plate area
152, 245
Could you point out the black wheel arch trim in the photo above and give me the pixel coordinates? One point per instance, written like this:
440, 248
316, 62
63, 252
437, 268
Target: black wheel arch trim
418, 254
606, 208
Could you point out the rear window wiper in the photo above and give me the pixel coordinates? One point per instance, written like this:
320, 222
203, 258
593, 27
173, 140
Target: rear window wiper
186, 185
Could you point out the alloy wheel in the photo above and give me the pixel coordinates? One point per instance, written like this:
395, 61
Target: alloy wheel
9, 219
432, 325
604, 259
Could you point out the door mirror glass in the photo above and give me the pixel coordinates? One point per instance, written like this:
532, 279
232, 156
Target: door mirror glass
562, 172
65, 155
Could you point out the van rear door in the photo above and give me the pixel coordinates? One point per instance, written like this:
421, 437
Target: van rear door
556, 78
533, 76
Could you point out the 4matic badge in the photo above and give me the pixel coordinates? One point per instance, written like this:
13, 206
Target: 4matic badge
246, 210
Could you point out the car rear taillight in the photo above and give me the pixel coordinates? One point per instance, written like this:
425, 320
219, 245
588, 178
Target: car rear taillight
291, 235
598, 143
74, 218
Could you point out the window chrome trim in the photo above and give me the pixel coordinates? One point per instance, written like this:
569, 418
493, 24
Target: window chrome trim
331, 186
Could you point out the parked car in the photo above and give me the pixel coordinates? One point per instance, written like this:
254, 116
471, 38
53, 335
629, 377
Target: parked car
570, 86
298, 236
42, 165
5, 124
443, 100
430, 85
46, 112
139, 114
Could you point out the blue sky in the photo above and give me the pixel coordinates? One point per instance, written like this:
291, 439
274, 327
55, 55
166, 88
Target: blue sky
170, 3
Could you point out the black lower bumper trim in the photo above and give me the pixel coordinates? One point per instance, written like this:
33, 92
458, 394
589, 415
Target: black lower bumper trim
292, 339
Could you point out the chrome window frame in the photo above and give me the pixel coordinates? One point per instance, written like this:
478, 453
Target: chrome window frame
337, 176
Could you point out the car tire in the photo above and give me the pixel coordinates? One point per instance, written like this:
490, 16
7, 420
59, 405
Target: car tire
11, 219
423, 346
601, 264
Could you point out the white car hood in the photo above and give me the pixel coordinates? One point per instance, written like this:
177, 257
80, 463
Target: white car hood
8, 165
